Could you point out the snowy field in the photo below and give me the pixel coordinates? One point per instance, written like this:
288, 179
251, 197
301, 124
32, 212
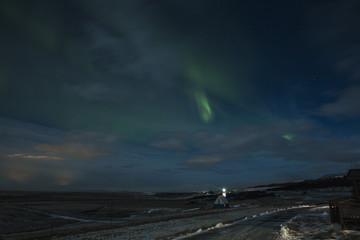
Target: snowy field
313, 223
301, 215
177, 228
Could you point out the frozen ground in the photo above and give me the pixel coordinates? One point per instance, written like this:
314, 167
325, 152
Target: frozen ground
315, 224
179, 228
264, 226
138, 216
297, 223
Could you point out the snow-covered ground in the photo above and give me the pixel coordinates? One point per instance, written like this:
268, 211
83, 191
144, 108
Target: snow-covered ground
179, 228
194, 221
172, 228
315, 224
312, 223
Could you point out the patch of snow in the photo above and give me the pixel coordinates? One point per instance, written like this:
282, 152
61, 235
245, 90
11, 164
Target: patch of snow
71, 218
191, 209
352, 233
284, 233
264, 213
153, 210
297, 181
80, 219
219, 225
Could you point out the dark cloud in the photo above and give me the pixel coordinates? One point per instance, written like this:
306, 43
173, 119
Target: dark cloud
75, 151
294, 141
346, 105
32, 154
54, 159
24, 140
216, 163
333, 24
332, 36
205, 160
81, 145
169, 144
134, 51
36, 172
93, 92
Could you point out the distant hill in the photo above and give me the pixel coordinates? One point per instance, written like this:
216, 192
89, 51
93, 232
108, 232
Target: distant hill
327, 181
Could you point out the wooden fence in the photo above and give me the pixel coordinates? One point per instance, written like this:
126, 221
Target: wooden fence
345, 212
350, 215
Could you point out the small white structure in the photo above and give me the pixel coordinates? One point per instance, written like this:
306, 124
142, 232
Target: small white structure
221, 202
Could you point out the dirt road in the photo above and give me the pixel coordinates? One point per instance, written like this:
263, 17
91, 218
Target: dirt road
258, 228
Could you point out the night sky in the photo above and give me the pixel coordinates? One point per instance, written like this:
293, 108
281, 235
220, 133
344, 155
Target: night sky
170, 95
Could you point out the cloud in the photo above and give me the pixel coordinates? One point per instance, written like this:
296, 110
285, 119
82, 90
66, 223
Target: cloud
18, 171
19, 133
169, 144
133, 50
346, 105
94, 137
214, 163
350, 63
310, 143
112, 54
65, 177
35, 172
205, 160
33, 157
75, 151
92, 91
37, 157
334, 27
82, 145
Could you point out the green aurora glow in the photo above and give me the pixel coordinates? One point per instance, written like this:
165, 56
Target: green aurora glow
288, 137
203, 105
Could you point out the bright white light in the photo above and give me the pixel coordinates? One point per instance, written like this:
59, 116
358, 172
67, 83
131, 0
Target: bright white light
224, 190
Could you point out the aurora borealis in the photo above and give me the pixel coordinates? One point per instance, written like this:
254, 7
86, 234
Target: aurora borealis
176, 95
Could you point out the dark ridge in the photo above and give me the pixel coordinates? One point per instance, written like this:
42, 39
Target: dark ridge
314, 184
173, 194
250, 195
